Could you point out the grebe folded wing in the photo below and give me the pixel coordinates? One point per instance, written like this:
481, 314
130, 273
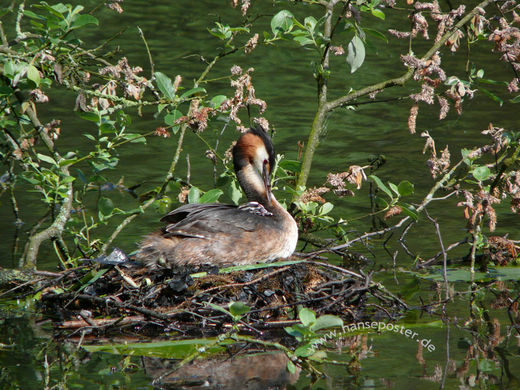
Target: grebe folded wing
192, 210
204, 220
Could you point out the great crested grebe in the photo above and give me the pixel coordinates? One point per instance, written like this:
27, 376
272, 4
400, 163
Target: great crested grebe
258, 231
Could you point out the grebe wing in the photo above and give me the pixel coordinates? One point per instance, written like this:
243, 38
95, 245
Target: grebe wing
193, 209
201, 220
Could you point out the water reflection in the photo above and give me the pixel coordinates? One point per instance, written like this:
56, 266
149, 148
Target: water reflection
243, 372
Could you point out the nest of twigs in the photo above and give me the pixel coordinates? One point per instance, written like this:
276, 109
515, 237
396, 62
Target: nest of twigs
131, 299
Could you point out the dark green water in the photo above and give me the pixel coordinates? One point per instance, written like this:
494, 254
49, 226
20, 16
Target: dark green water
176, 33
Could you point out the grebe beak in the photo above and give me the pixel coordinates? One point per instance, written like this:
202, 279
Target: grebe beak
267, 182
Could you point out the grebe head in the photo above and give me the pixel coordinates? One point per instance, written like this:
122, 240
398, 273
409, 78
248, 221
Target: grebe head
253, 159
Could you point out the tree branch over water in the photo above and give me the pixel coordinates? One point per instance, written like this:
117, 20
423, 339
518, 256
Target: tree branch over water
325, 106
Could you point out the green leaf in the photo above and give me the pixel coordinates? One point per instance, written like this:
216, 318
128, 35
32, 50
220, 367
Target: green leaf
493, 82
174, 349
376, 34
282, 22
69, 161
381, 185
355, 53
307, 317
409, 210
9, 68
327, 321
194, 195
238, 309
68, 179
217, 101
303, 41
90, 278
492, 96
380, 202
77, 9
378, 13
32, 15
83, 20
481, 173
295, 331
318, 356
234, 192
219, 308
81, 176
105, 206
222, 32
135, 138
211, 196
90, 116
291, 165
394, 188
165, 85
171, 118
192, 91
30, 179
304, 350
47, 159
405, 188
107, 128
326, 208
59, 9
240, 29
291, 367
487, 365
257, 266
33, 74
310, 22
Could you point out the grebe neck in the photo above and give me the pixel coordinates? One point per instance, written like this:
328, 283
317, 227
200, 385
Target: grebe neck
253, 185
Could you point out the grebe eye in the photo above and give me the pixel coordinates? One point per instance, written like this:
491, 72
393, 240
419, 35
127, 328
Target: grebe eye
266, 162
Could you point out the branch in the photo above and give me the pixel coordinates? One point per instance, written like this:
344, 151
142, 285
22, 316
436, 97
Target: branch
325, 107
57, 227
319, 119
427, 199
404, 78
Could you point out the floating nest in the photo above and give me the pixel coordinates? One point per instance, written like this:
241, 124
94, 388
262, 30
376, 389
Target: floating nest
127, 299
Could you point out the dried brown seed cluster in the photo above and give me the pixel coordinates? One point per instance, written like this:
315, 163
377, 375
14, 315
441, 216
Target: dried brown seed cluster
314, 195
122, 75
251, 44
355, 176
198, 117
244, 7
133, 85
507, 42
393, 211
437, 165
244, 96
161, 132
477, 206
115, 5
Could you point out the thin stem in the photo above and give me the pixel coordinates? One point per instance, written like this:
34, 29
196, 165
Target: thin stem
18, 29
444, 254
150, 59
